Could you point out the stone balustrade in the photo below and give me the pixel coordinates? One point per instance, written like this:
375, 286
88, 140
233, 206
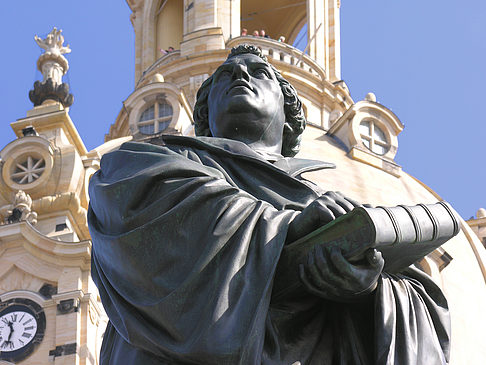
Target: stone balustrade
279, 52
282, 55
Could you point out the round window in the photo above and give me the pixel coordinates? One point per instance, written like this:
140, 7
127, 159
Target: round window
155, 118
27, 169
373, 137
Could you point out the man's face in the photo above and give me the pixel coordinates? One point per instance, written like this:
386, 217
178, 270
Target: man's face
246, 103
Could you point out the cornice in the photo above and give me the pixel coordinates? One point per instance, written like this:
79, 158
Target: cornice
73, 254
49, 121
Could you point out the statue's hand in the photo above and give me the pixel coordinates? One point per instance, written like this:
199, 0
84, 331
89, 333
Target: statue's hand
321, 211
329, 275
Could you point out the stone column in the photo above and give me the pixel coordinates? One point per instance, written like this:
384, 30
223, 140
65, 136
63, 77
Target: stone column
208, 24
334, 63
229, 15
137, 22
317, 30
323, 32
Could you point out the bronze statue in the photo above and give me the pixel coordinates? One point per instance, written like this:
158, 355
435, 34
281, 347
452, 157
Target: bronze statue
188, 236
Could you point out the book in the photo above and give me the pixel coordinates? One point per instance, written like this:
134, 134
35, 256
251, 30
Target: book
403, 234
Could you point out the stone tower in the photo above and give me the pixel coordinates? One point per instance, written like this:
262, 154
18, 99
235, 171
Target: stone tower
49, 307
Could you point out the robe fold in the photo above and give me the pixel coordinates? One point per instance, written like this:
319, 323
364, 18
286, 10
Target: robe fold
186, 239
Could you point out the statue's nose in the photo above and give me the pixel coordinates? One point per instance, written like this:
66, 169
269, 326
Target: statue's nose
241, 72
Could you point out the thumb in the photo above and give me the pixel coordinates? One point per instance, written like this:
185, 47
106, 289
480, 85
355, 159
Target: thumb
375, 259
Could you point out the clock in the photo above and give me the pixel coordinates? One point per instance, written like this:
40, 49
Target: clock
22, 327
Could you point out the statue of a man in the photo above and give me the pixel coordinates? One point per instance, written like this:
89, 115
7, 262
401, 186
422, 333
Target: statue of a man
187, 238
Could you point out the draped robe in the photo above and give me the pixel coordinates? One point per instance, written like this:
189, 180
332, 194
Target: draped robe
186, 239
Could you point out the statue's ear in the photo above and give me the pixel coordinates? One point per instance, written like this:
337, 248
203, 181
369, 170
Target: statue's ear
201, 120
290, 141
201, 109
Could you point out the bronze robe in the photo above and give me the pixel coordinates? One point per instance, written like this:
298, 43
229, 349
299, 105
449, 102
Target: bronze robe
186, 239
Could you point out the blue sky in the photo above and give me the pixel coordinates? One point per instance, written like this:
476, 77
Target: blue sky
425, 60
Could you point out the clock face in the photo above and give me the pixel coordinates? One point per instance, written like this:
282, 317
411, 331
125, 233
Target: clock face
17, 329
22, 327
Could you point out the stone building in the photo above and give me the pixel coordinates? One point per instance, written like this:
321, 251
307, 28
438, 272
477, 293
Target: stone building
44, 238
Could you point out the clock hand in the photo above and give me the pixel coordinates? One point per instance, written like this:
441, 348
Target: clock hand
10, 324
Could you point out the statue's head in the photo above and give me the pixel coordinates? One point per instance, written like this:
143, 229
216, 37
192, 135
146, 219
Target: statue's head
248, 100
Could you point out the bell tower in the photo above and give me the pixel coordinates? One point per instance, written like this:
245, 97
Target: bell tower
49, 306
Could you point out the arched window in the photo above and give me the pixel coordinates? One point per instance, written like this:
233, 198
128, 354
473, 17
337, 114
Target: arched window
373, 137
155, 118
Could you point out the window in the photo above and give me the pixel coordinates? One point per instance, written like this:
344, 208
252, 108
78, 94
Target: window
155, 118
28, 169
373, 137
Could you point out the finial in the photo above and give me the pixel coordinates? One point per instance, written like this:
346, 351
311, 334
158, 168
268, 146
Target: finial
53, 66
370, 97
481, 213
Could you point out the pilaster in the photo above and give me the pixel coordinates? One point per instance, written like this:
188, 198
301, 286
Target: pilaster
208, 24
317, 31
323, 32
334, 63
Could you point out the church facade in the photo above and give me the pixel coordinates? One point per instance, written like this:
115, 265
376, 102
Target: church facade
45, 244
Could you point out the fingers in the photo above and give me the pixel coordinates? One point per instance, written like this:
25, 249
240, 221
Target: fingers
320, 212
355, 278
324, 213
329, 275
339, 199
332, 205
318, 291
354, 203
346, 203
314, 276
320, 269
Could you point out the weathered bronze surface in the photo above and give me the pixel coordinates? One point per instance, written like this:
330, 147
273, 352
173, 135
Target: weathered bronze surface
188, 236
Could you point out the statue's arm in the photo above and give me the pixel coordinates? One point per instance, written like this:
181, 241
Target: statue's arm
324, 271
171, 234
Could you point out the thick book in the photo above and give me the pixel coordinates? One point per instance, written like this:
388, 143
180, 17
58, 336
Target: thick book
403, 234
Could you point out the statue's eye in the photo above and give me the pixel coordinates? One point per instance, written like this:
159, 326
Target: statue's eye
261, 73
223, 74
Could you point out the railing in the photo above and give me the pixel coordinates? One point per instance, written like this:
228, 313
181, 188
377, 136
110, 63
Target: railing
282, 52
277, 52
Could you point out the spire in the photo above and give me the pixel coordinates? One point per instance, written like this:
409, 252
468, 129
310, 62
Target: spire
53, 66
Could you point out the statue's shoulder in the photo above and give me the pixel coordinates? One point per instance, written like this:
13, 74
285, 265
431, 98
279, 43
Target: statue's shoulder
164, 142
163, 148
207, 143
158, 146
198, 146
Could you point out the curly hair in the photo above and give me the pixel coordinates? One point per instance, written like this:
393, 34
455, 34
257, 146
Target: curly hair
294, 114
